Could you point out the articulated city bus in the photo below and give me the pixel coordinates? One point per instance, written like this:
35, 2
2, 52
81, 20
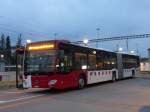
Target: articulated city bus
59, 65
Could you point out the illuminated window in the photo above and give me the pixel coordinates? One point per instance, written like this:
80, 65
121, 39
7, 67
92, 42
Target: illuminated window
80, 60
92, 61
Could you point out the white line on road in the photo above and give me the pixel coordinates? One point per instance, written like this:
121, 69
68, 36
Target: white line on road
23, 98
12, 92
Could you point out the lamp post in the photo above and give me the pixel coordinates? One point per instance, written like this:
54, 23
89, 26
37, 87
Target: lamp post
16, 68
24, 55
98, 33
27, 42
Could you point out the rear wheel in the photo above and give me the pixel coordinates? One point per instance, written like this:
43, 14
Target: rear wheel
81, 82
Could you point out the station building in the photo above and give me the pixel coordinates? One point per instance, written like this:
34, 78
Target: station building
145, 64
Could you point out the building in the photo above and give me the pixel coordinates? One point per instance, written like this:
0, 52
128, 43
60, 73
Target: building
3, 61
145, 64
4, 64
149, 53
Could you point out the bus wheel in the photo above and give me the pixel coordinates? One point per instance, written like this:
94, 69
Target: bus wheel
81, 82
114, 78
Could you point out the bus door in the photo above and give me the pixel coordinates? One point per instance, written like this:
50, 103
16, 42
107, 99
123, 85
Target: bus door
120, 65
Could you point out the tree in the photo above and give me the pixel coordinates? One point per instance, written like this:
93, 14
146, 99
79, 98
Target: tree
19, 41
3, 44
8, 49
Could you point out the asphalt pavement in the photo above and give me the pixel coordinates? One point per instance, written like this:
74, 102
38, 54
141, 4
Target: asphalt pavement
130, 95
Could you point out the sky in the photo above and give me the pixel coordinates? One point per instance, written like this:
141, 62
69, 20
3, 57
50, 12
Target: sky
77, 19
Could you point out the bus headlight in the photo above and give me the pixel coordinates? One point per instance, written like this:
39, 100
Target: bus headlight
52, 82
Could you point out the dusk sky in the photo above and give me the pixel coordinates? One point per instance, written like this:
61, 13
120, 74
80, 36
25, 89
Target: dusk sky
76, 19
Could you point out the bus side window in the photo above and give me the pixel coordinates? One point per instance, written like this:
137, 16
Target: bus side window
80, 60
110, 62
129, 62
92, 62
100, 62
66, 62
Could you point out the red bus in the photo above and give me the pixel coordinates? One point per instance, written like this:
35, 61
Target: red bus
59, 64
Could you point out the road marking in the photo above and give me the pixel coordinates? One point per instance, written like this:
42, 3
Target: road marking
12, 92
18, 99
13, 105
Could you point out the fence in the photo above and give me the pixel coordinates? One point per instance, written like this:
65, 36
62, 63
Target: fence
8, 76
10, 73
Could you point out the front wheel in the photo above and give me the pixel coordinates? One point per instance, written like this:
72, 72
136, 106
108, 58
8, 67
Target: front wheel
81, 82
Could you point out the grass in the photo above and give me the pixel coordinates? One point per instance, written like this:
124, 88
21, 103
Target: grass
7, 84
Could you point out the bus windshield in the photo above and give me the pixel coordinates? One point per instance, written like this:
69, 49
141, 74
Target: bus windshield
40, 62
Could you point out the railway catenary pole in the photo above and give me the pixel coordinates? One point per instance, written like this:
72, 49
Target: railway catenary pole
127, 45
98, 34
17, 72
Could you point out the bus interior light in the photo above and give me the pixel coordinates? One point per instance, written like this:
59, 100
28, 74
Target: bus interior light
113, 63
84, 67
57, 66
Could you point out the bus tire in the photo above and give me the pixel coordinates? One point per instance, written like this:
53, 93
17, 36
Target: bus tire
114, 77
81, 82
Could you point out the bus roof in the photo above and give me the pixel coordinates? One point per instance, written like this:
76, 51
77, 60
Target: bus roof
87, 47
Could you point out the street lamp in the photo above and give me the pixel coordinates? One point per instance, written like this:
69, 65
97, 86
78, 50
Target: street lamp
24, 55
85, 41
120, 49
28, 41
132, 52
2, 56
